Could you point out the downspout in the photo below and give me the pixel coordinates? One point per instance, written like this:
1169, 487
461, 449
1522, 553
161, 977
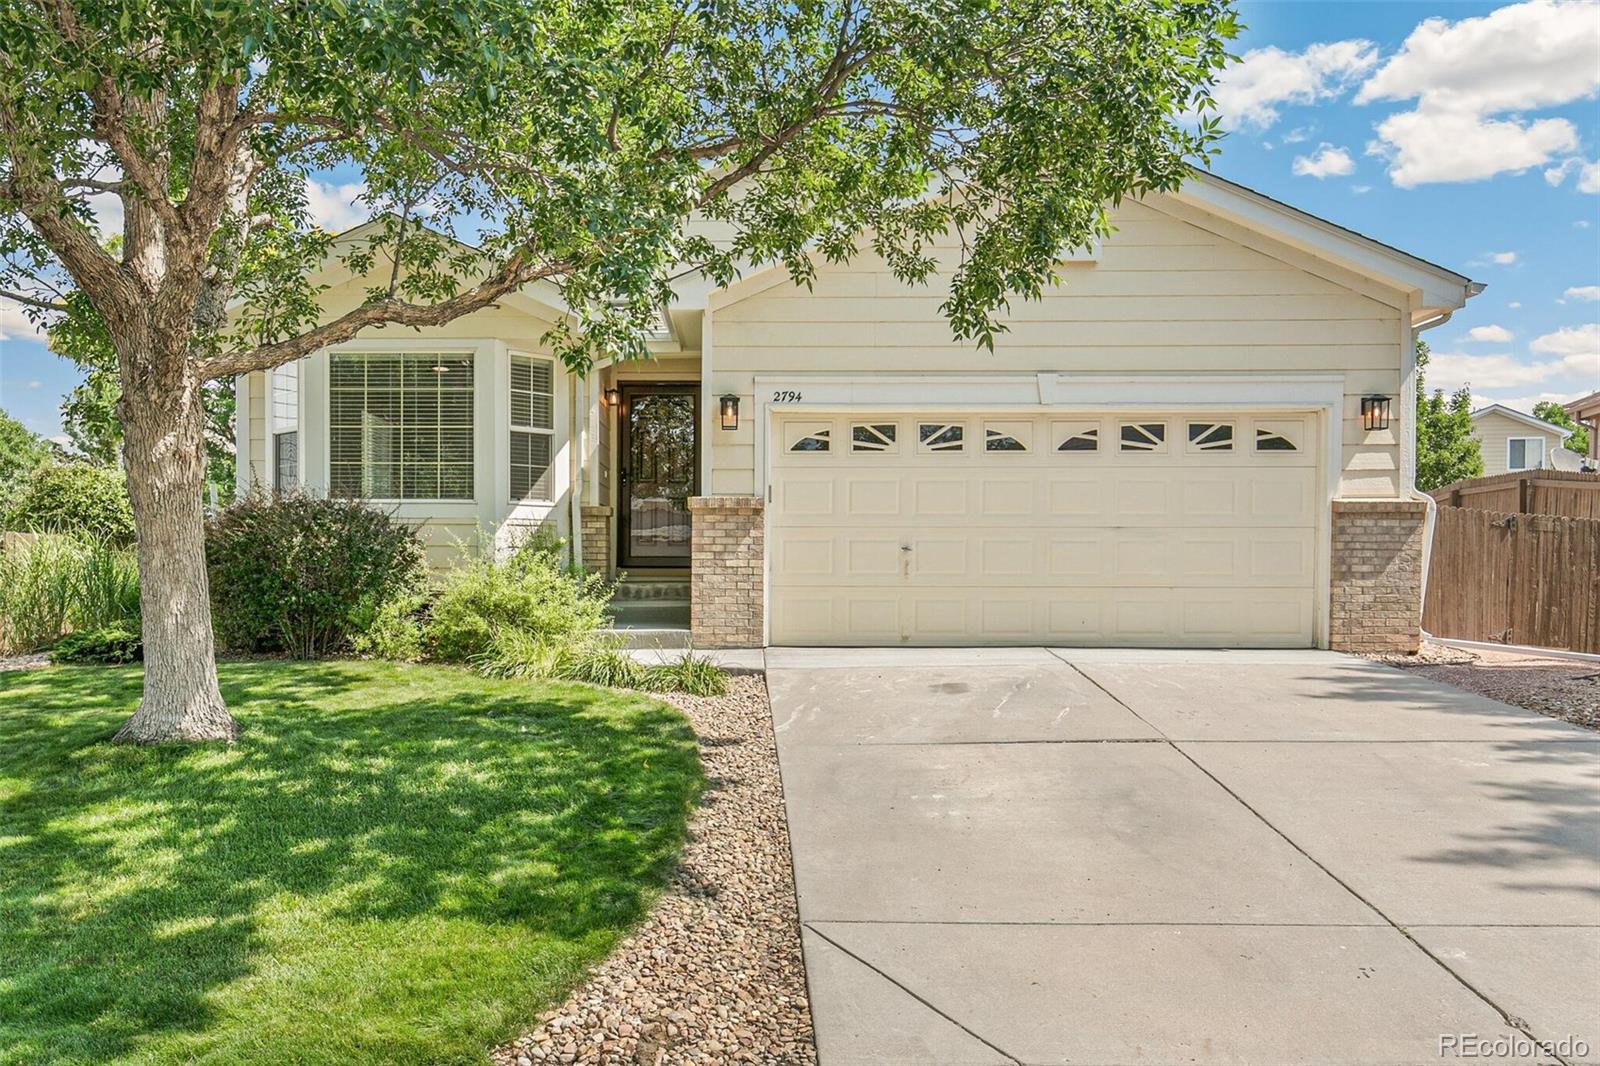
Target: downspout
1408, 460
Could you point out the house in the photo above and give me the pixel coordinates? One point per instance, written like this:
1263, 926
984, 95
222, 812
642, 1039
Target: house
1512, 441
1203, 437
1586, 409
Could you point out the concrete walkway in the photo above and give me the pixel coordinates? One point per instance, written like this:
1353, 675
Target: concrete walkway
1023, 856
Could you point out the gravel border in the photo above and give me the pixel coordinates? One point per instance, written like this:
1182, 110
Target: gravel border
715, 972
36, 661
1561, 688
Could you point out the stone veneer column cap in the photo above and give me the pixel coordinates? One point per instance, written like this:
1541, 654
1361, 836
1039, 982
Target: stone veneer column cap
725, 503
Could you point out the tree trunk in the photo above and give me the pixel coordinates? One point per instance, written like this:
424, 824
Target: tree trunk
163, 424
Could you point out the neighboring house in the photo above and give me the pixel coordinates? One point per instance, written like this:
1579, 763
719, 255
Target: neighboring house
1586, 409
1203, 437
1512, 441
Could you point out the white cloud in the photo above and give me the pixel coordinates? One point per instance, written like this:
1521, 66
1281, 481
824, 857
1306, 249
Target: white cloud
1572, 341
335, 207
1514, 304
1497, 258
1589, 177
1360, 190
14, 321
1451, 370
34, 384
1489, 334
1520, 57
1296, 135
1584, 292
1422, 147
1250, 91
1582, 223
1525, 404
1327, 162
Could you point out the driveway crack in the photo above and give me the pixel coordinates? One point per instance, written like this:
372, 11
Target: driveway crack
1511, 1020
991, 1045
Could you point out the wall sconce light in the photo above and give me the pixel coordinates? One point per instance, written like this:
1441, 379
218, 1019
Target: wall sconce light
730, 411
613, 396
1374, 413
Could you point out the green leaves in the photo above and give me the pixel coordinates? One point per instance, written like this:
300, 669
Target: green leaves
596, 143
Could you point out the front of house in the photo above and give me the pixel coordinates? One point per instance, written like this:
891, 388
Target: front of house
1201, 438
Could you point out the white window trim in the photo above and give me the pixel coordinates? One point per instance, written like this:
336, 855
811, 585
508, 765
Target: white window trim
1540, 441
512, 355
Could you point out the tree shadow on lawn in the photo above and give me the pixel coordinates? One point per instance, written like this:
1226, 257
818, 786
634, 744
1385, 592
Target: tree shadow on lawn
396, 864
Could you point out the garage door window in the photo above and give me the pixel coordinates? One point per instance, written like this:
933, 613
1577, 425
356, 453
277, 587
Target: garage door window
1077, 437
810, 438
1268, 441
1211, 436
873, 437
942, 436
1144, 436
1007, 436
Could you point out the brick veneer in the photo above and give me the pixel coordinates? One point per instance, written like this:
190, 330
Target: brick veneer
596, 527
1377, 575
726, 573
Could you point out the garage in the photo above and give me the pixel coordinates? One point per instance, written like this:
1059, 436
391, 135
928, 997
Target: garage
1139, 528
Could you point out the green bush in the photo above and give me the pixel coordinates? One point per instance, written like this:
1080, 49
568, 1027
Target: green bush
694, 675
530, 592
391, 630
108, 645
75, 498
298, 574
51, 585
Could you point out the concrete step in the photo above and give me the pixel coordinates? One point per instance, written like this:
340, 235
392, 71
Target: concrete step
650, 614
641, 638
644, 588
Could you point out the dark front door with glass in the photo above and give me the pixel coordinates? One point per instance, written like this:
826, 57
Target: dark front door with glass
659, 472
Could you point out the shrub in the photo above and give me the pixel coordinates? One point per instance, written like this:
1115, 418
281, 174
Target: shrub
695, 675
297, 574
392, 630
530, 591
36, 592
78, 499
110, 645
52, 584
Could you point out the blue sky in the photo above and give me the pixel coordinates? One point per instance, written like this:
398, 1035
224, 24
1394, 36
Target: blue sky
1466, 133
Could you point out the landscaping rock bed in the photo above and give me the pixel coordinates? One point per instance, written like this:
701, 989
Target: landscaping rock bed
1561, 688
715, 973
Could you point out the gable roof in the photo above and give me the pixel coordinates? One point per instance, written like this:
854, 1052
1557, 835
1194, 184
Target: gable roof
1434, 290
1589, 406
1527, 420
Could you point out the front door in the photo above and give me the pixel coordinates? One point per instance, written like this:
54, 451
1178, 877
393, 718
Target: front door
659, 472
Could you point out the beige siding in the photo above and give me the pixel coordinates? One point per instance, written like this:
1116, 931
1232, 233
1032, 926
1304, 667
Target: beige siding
1164, 295
1494, 429
260, 474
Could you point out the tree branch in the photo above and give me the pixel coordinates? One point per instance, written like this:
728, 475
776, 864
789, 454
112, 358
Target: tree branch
513, 274
33, 301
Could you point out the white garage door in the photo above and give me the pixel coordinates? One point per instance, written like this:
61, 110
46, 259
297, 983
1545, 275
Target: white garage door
1153, 529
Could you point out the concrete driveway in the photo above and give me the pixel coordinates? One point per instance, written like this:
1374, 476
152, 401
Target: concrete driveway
1025, 856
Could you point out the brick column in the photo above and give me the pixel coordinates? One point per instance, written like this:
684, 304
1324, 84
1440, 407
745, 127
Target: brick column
1377, 575
726, 572
596, 526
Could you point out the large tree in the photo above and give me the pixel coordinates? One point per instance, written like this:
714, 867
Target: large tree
572, 140
1447, 449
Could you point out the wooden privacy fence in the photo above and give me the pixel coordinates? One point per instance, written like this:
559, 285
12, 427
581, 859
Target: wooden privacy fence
1515, 579
1557, 492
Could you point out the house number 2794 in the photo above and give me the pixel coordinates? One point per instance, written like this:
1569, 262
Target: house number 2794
786, 396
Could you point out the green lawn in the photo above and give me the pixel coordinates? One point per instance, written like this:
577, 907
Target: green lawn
398, 864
